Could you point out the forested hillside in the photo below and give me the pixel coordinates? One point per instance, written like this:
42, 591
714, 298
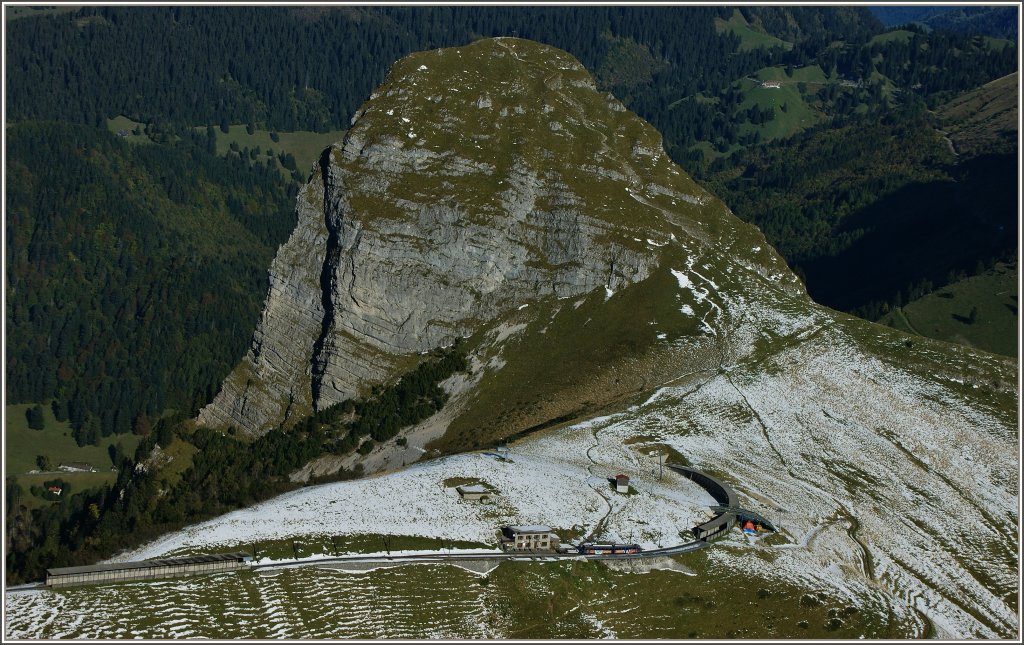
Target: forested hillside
310, 68
134, 273
876, 211
211, 475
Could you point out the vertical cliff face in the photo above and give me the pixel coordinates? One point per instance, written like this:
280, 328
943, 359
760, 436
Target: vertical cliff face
474, 181
272, 383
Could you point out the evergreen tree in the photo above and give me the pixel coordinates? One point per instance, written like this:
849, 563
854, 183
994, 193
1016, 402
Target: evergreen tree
35, 417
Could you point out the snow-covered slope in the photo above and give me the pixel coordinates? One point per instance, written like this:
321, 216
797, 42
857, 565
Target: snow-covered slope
879, 478
560, 480
890, 464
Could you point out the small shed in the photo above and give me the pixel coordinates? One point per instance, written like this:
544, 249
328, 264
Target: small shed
622, 483
473, 492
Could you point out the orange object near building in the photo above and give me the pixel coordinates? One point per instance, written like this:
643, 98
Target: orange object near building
748, 525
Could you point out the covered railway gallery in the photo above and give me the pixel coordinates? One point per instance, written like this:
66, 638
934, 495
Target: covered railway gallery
145, 569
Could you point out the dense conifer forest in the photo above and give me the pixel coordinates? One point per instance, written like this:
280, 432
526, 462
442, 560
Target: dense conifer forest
310, 68
134, 273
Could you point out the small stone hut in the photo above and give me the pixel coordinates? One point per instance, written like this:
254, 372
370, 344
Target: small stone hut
473, 492
622, 483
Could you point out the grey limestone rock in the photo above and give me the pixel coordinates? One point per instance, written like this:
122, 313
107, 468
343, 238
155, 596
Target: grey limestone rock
434, 218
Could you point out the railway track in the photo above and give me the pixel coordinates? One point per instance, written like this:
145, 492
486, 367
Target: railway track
497, 555
716, 526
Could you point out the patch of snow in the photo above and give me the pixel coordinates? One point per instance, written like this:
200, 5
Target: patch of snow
504, 331
684, 281
707, 280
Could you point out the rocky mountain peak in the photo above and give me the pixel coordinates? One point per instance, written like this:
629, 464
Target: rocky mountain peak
474, 181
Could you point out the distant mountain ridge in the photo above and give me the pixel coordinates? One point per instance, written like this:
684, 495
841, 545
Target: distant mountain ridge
994, 21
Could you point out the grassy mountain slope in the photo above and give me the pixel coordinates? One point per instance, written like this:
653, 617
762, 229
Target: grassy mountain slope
515, 601
983, 121
750, 37
980, 311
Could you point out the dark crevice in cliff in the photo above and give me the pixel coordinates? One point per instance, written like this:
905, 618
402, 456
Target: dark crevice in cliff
319, 356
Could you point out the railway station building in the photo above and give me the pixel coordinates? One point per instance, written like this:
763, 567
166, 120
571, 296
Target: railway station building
528, 538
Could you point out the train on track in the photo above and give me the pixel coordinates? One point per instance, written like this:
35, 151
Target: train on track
608, 549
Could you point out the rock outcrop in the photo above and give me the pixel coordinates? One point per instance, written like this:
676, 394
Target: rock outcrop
474, 181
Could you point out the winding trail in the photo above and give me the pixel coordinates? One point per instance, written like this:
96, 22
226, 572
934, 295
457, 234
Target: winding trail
866, 559
599, 527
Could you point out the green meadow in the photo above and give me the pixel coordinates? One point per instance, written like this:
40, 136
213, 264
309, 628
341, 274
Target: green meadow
750, 37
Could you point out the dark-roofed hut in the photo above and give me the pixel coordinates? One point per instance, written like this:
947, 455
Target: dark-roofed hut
622, 483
